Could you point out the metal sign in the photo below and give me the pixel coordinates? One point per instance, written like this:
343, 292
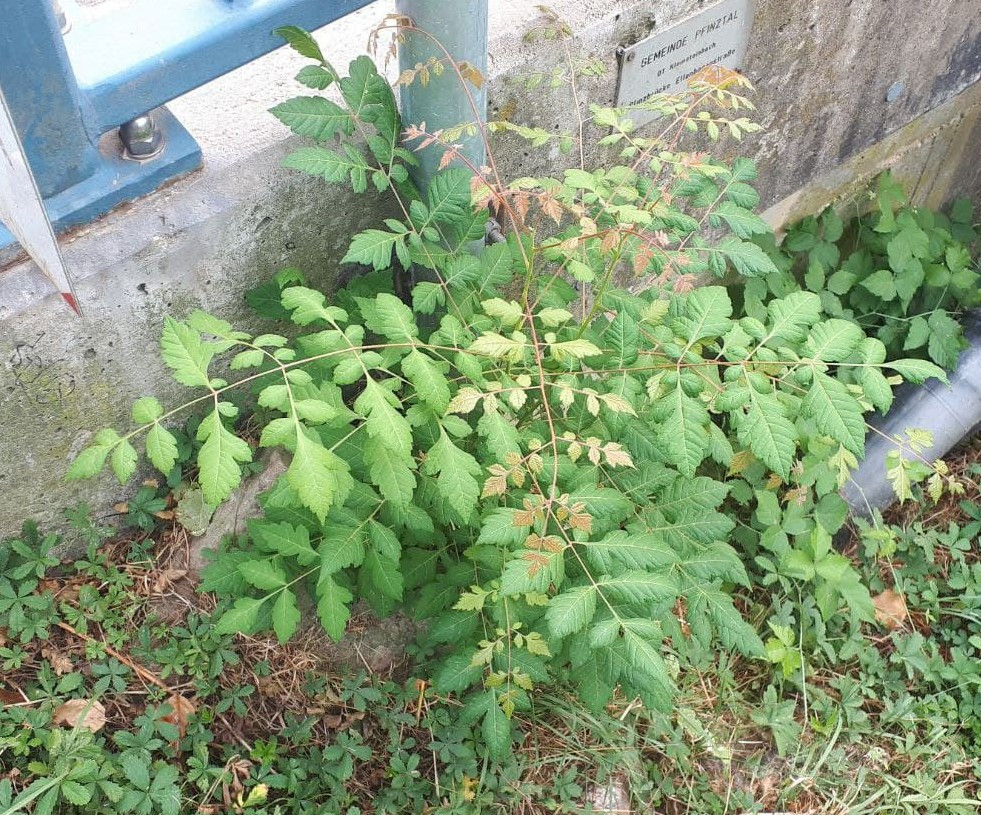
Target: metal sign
664, 61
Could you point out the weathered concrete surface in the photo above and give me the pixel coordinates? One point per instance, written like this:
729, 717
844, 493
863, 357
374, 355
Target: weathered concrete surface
822, 70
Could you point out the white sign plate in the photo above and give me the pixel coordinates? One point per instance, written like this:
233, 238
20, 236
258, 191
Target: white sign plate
664, 62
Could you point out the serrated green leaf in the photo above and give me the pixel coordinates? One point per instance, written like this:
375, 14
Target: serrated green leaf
391, 318
263, 574
456, 674
729, 626
917, 370
389, 472
500, 435
333, 601
708, 311
340, 547
637, 586
300, 41
743, 222
285, 615
147, 409
384, 574
161, 448
683, 433
320, 477
571, 611
793, 315
308, 305
219, 458
124, 461
386, 425
456, 472
314, 116
496, 731
833, 340
284, 539
185, 354
746, 258
241, 617
430, 383
836, 412
766, 430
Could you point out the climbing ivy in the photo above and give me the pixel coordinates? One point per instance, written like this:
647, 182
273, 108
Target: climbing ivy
548, 448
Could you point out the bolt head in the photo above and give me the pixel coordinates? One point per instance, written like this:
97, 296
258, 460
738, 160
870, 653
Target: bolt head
141, 138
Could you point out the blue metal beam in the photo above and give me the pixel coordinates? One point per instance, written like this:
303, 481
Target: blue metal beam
152, 51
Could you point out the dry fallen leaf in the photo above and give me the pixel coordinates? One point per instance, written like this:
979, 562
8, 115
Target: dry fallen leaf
181, 710
60, 662
86, 713
166, 578
890, 609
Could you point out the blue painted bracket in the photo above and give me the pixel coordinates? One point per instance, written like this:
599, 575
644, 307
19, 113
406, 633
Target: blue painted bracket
67, 93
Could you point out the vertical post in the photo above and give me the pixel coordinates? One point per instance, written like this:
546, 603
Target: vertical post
461, 27
44, 100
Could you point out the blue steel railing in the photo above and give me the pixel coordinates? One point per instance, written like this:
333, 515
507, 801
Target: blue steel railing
67, 91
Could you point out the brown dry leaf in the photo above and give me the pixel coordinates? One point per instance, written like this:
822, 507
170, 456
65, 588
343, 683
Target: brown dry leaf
890, 609
181, 710
86, 713
166, 578
60, 662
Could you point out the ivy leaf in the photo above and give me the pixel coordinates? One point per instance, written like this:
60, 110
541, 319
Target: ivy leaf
429, 382
285, 615
218, 459
333, 601
185, 354
836, 412
571, 611
457, 471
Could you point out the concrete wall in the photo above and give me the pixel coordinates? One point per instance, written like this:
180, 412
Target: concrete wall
822, 71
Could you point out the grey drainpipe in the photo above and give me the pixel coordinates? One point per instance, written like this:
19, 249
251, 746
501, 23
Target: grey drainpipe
950, 414
461, 27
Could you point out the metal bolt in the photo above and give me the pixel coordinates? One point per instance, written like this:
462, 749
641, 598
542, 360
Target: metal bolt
631, 56
896, 89
141, 138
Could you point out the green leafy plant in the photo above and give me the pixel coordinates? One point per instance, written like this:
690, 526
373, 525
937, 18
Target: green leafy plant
552, 451
903, 273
